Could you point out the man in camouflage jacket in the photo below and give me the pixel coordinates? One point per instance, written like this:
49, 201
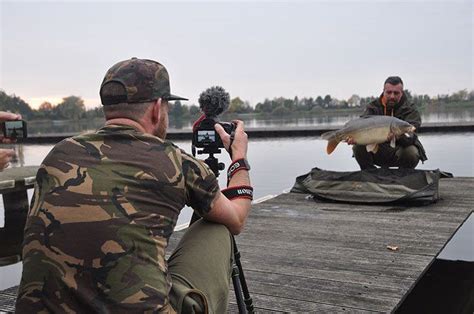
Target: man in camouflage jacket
106, 204
408, 150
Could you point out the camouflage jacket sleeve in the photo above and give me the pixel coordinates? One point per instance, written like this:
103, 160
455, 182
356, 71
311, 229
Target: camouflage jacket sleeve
409, 113
201, 185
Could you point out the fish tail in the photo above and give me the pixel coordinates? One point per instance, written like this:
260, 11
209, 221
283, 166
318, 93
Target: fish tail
332, 144
328, 135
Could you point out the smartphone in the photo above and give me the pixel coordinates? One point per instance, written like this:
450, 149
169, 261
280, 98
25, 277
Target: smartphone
15, 129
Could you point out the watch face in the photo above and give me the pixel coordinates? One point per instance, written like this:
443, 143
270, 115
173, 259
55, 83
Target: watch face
238, 164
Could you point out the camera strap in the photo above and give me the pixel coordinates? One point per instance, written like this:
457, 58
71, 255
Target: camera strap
236, 166
240, 191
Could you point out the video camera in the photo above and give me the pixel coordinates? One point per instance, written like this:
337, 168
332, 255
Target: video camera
213, 101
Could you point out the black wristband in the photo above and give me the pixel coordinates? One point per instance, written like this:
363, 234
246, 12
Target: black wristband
240, 191
239, 164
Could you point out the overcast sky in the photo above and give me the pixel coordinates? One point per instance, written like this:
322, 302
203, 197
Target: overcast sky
255, 50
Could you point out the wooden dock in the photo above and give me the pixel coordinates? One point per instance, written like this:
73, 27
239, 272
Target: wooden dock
302, 255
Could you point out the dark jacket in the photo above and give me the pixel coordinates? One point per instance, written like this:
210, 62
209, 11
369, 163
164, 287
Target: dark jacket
403, 110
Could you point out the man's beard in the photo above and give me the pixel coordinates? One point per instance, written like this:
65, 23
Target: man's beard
391, 103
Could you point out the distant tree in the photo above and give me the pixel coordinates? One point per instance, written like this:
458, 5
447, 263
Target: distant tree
194, 110
354, 101
280, 111
471, 95
15, 104
46, 106
289, 103
461, 95
71, 107
237, 105
309, 103
265, 107
327, 100
296, 103
319, 101
44, 111
177, 110
93, 113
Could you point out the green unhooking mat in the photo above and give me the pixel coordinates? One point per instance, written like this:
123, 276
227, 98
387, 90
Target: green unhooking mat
372, 186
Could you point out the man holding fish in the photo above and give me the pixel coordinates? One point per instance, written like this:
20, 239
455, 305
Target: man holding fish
385, 133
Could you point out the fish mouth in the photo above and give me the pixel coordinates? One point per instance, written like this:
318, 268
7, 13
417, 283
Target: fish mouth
412, 129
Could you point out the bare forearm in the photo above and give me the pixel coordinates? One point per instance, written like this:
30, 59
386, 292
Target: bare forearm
241, 205
240, 178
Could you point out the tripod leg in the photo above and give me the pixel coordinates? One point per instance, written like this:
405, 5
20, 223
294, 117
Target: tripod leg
237, 289
243, 283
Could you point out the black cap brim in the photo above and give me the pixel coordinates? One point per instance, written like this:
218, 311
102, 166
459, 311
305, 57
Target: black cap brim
174, 97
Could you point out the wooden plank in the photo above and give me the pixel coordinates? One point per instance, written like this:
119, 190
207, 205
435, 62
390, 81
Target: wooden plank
301, 255
266, 303
314, 254
7, 299
18, 178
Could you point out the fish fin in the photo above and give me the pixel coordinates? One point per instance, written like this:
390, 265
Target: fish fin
392, 142
332, 144
372, 148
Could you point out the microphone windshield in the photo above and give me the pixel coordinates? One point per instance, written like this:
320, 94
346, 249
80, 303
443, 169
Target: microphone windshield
214, 100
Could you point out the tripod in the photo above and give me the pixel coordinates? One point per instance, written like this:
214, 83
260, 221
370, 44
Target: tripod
242, 295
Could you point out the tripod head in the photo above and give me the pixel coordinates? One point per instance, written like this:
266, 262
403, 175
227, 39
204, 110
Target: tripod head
211, 161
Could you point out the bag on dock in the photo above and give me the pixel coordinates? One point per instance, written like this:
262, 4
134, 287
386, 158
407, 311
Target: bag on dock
372, 186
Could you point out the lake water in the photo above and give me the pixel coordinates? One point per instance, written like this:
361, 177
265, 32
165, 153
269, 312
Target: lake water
254, 121
277, 162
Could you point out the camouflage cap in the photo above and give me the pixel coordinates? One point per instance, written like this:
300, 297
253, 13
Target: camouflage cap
140, 80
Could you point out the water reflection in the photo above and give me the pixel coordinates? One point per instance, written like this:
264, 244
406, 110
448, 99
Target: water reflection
253, 121
18, 160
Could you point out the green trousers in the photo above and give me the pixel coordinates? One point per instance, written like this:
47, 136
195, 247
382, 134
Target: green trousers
201, 268
386, 156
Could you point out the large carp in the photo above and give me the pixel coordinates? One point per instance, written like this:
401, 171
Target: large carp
370, 131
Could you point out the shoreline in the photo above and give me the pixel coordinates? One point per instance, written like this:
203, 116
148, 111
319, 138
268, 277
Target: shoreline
267, 132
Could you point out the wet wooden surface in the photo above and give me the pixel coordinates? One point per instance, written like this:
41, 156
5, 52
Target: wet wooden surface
301, 255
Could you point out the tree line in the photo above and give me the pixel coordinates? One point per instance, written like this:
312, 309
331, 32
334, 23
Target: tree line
73, 108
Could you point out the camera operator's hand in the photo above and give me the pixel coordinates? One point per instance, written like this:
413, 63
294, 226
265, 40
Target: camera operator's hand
7, 116
5, 157
231, 209
240, 142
